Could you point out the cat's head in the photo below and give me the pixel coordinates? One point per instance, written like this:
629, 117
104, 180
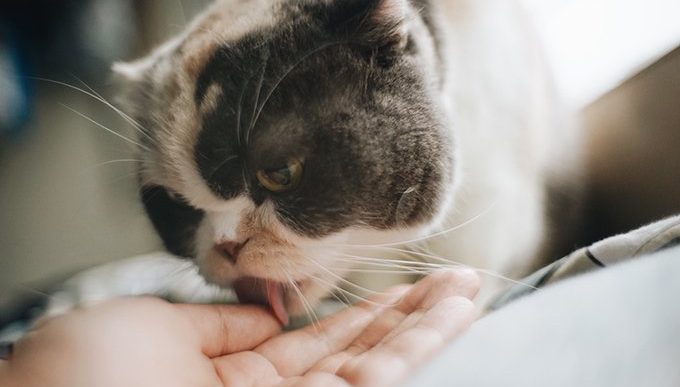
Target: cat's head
278, 131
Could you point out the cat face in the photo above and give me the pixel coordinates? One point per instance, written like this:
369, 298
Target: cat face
278, 133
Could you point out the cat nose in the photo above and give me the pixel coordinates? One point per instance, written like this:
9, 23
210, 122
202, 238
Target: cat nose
230, 249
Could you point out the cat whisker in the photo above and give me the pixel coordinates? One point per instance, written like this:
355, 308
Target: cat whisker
406, 272
35, 291
332, 287
311, 314
413, 267
384, 271
309, 309
98, 97
343, 280
451, 263
239, 110
391, 261
106, 128
117, 162
257, 99
220, 165
334, 291
87, 86
436, 234
342, 295
344, 301
136, 125
245, 180
285, 213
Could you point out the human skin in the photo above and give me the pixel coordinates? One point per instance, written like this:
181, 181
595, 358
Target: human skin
150, 342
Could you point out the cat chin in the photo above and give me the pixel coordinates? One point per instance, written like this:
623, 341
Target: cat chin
290, 295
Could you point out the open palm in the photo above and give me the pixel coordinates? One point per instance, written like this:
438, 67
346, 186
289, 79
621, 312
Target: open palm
148, 342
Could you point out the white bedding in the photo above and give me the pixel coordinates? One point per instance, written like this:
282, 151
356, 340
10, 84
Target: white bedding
614, 327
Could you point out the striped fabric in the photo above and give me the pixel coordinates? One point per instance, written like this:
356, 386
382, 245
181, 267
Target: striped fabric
635, 244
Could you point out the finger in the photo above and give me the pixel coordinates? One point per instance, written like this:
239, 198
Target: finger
316, 379
383, 323
390, 361
374, 332
246, 368
439, 285
431, 290
436, 326
224, 329
294, 353
392, 321
252, 369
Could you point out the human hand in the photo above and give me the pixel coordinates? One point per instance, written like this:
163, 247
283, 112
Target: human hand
148, 342
135, 342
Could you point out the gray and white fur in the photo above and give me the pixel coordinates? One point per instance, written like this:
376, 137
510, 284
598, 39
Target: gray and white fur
408, 117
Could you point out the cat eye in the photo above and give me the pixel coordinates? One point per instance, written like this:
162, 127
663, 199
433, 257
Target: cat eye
282, 179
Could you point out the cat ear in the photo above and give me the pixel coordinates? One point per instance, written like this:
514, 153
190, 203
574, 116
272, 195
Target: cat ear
130, 78
375, 23
385, 23
138, 70
132, 71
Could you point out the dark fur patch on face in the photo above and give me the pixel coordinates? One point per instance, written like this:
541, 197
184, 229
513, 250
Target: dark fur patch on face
175, 220
323, 87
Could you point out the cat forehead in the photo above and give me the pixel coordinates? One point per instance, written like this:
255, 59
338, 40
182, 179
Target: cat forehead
224, 21
267, 62
287, 27
180, 61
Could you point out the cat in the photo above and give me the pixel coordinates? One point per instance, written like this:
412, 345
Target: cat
286, 142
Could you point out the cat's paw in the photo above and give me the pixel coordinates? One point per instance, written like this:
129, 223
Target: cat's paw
158, 274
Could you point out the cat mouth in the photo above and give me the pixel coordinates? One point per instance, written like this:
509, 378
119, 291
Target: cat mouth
261, 291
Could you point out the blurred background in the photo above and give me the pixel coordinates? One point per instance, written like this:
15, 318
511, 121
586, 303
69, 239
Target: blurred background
68, 197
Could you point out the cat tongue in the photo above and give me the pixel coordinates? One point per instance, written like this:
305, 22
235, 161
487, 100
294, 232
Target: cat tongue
258, 291
275, 298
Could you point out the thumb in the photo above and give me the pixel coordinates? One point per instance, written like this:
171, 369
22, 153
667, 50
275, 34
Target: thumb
225, 329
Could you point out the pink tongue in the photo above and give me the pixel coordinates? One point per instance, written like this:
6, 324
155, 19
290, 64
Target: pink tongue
259, 291
275, 298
